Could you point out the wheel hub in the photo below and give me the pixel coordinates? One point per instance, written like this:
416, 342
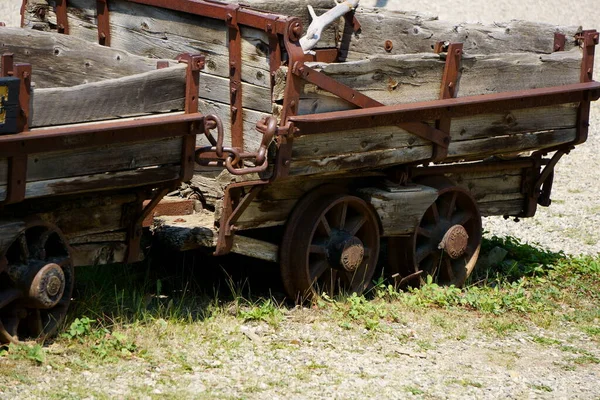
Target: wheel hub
346, 251
48, 285
455, 241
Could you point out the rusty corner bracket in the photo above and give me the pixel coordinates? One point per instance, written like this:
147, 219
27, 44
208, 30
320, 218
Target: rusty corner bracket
235, 76
102, 14
235, 202
62, 17
560, 41
448, 90
588, 40
135, 230
192, 86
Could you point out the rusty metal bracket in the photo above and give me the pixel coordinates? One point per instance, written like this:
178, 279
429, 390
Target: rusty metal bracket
588, 41
103, 22
23, 72
560, 40
291, 98
448, 90
135, 230
17, 179
545, 179
235, 202
235, 76
62, 17
195, 64
360, 100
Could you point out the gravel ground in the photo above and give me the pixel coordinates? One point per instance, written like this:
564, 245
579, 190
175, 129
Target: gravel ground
307, 359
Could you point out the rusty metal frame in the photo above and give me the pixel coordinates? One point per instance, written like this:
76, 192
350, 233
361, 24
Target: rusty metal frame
103, 22
588, 41
235, 202
448, 90
235, 76
62, 17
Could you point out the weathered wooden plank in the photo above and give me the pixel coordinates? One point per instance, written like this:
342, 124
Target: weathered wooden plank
504, 207
61, 60
353, 141
159, 33
119, 236
360, 161
254, 97
417, 77
100, 254
90, 215
255, 248
412, 33
400, 211
103, 159
512, 122
186, 233
99, 182
502, 145
157, 91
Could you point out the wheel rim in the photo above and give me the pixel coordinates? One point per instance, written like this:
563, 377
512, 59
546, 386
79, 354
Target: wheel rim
333, 248
36, 283
447, 241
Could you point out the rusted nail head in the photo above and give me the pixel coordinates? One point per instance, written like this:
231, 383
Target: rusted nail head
457, 52
26, 75
389, 45
269, 27
286, 163
2, 24
229, 17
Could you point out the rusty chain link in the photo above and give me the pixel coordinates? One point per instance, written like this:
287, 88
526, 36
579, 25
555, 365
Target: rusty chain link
233, 158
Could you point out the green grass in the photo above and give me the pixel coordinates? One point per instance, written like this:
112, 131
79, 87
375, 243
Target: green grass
130, 313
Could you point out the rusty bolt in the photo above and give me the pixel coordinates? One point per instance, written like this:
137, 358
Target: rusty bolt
269, 28
389, 45
286, 163
229, 17
295, 31
26, 75
2, 24
457, 52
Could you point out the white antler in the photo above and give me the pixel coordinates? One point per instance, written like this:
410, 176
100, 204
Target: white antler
315, 29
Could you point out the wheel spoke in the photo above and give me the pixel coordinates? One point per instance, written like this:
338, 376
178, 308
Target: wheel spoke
318, 249
339, 215
318, 268
421, 231
423, 251
435, 212
3, 264
448, 268
325, 225
24, 249
355, 224
8, 296
461, 218
452, 205
11, 326
34, 323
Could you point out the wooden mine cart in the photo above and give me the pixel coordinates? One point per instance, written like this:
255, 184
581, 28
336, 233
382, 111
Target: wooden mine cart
398, 126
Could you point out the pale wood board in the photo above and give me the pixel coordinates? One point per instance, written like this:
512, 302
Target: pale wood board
99, 182
159, 33
62, 61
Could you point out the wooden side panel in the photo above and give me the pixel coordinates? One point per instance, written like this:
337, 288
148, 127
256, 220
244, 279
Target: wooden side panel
157, 91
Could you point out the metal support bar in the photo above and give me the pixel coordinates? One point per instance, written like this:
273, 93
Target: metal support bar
23, 72
134, 233
235, 77
360, 100
62, 18
7, 67
560, 40
454, 108
17, 179
588, 41
448, 90
103, 22
234, 206
246, 15
192, 86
